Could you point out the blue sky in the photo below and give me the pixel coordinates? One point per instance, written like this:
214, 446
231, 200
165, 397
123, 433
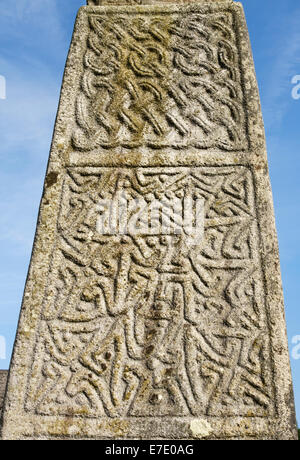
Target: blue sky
35, 37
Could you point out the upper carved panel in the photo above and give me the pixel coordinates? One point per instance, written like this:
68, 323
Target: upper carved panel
161, 81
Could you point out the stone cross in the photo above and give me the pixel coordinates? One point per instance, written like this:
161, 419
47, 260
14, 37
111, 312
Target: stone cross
153, 307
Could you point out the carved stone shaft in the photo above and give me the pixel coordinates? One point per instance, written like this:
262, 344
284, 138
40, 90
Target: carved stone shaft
173, 329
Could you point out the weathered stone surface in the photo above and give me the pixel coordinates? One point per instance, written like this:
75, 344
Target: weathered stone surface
143, 2
144, 336
3, 379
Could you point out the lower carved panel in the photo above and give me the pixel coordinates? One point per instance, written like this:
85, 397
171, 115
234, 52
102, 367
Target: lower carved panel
145, 324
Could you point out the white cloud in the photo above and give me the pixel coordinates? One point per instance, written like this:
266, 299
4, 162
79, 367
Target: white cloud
278, 92
28, 113
32, 64
37, 14
32, 34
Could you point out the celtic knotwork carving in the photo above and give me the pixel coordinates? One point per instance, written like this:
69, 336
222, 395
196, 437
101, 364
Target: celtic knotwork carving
143, 326
161, 81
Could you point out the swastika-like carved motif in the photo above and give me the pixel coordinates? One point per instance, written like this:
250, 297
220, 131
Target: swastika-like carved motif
161, 81
147, 326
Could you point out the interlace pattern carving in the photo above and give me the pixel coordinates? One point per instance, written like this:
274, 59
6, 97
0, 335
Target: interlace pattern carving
145, 326
161, 81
